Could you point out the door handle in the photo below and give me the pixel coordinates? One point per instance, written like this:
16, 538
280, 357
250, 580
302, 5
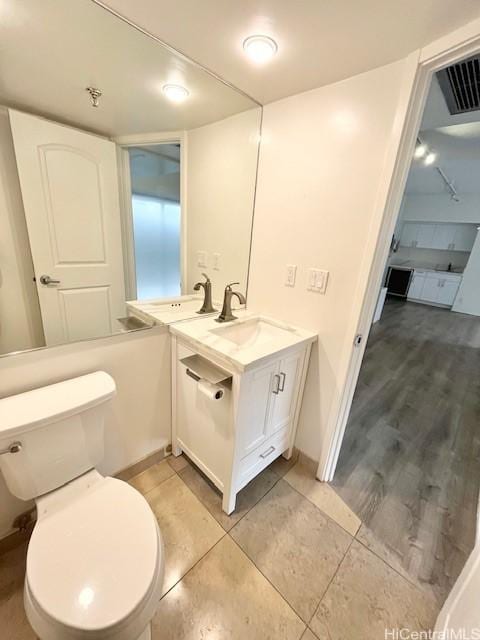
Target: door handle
46, 280
282, 383
277, 388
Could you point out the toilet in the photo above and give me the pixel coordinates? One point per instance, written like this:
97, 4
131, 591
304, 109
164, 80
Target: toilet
95, 561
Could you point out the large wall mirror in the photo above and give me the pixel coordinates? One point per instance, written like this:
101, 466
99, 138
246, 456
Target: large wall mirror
126, 171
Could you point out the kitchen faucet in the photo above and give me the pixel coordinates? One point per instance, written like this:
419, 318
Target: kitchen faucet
207, 306
226, 314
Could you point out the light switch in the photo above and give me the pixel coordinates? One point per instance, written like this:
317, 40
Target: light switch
216, 261
317, 280
291, 275
201, 258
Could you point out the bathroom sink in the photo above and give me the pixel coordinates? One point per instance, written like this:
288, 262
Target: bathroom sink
251, 332
167, 311
242, 343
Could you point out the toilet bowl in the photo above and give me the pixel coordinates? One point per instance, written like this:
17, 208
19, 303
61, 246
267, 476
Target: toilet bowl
95, 560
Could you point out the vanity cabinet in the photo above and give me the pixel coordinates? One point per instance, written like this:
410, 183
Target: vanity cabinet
234, 439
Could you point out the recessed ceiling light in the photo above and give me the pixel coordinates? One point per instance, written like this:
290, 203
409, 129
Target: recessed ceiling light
260, 49
175, 92
430, 159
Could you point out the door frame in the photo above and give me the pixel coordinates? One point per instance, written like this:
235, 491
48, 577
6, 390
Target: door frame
459, 44
147, 140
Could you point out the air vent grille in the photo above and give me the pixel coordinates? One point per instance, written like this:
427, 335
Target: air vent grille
460, 84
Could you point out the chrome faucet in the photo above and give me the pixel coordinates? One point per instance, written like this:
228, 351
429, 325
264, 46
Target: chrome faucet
226, 314
207, 306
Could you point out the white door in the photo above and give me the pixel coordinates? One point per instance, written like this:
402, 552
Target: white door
70, 193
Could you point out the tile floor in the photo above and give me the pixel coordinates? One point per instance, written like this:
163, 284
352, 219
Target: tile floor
293, 562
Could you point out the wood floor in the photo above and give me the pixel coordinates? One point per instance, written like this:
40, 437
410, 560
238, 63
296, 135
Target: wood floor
410, 462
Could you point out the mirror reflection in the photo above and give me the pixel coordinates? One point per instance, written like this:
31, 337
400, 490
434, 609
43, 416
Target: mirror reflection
126, 172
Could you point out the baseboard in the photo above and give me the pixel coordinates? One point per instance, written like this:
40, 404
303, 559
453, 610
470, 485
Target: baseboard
142, 465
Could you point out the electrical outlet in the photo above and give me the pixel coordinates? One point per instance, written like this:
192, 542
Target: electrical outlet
291, 275
317, 280
201, 258
216, 262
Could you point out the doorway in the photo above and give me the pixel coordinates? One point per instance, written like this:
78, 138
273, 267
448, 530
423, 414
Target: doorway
409, 461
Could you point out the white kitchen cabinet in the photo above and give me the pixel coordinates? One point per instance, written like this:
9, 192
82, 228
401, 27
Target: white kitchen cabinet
464, 238
447, 291
425, 235
408, 237
234, 439
430, 289
416, 285
442, 236
434, 287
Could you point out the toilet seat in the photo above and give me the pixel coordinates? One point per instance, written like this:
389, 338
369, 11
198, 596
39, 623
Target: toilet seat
95, 562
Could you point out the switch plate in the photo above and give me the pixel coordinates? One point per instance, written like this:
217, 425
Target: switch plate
317, 280
201, 258
291, 275
216, 262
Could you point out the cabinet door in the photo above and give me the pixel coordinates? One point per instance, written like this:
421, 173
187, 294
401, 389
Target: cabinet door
259, 402
447, 291
284, 403
465, 235
430, 289
444, 236
408, 237
425, 235
416, 286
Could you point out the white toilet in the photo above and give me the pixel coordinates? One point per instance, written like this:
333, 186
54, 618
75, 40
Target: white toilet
95, 562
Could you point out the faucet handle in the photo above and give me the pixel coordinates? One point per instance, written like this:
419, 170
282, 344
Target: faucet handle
229, 286
207, 279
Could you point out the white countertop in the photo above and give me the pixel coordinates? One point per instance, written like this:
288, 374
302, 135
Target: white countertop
199, 333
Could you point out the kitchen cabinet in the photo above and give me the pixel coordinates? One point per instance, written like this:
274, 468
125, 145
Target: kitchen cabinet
434, 287
442, 236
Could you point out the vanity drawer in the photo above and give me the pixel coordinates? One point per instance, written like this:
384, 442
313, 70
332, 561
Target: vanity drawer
252, 464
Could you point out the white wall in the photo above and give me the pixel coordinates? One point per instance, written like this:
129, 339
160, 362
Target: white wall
468, 297
439, 207
20, 323
139, 419
221, 169
322, 158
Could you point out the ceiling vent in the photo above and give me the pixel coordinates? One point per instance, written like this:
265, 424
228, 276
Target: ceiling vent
460, 84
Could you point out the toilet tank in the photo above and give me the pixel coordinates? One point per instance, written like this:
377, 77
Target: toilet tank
59, 429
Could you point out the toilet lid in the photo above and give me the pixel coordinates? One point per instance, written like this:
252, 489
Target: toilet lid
92, 561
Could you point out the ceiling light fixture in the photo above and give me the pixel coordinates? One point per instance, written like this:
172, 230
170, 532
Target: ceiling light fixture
175, 92
420, 150
260, 49
430, 158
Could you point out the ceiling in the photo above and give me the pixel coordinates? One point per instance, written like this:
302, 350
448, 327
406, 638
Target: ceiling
51, 50
455, 139
319, 41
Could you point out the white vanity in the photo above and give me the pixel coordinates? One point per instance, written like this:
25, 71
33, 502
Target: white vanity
236, 395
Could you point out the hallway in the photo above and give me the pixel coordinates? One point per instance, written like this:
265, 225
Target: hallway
410, 464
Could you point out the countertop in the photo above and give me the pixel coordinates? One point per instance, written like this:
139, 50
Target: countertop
198, 332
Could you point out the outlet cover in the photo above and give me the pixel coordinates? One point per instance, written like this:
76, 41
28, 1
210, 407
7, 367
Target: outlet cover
291, 275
